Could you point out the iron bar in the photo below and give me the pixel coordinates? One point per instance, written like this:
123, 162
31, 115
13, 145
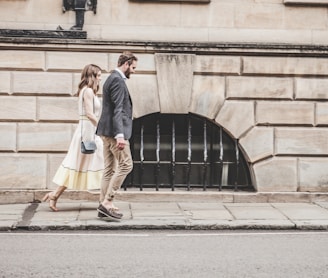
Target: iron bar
141, 156
158, 160
237, 164
173, 156
220, 159
205, 155
189, 154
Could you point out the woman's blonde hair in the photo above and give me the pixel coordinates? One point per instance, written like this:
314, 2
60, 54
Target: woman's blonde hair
89, 78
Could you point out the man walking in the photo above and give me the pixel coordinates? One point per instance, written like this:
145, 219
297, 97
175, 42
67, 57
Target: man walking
115, 129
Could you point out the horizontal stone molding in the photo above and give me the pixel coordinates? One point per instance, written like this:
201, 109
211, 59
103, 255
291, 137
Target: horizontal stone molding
306, 2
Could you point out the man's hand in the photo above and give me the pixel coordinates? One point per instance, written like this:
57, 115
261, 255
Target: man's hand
120, 143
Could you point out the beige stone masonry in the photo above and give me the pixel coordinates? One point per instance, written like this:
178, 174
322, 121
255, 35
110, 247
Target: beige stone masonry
285, 65
261, 35
311, 88
18, 108
42, 83
54, 161
8, 137
217, 64
248, 15
259, 87
305, 17
284, 112
301, 141
44, 137
58, 109
144, 93
23, 171
258, 143
276, 174
174, 79
236, 117
23, 60
321, 113
75, 61
5, 82
313, 174
207, 95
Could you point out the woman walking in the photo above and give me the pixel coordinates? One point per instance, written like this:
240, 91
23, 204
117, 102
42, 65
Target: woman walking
80, 171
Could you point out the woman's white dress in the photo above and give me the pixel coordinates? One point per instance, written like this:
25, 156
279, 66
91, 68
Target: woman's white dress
80, 171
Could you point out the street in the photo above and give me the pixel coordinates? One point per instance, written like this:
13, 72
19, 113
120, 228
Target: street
164, 254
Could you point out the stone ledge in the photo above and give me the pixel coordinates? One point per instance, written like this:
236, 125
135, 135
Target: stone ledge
54, 34
29, 196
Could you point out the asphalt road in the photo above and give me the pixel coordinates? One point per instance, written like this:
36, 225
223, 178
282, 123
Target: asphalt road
164, 254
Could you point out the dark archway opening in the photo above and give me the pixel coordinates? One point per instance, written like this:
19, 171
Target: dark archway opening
185, 151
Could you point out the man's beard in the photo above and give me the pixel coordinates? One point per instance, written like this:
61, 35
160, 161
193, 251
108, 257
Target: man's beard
127, 73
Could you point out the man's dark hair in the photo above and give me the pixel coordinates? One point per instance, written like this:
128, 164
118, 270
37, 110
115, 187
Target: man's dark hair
126, 57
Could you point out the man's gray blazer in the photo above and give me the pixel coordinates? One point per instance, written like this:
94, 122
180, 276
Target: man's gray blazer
116, 115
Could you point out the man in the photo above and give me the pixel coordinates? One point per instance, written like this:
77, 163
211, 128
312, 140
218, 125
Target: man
115, 129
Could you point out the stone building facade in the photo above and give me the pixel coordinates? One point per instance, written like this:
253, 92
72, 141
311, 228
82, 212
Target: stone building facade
257, 68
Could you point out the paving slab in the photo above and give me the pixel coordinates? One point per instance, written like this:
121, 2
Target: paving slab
255, 212
302, 211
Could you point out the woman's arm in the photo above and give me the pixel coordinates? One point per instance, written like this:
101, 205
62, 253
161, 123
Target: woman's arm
88, 104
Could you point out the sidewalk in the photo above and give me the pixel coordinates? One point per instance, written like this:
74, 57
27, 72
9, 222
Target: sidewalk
82, 215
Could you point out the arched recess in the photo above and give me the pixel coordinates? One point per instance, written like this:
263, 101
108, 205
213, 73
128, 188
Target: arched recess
185, 151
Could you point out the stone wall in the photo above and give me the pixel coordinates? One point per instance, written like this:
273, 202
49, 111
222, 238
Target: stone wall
273, 101
257, 68
274, 21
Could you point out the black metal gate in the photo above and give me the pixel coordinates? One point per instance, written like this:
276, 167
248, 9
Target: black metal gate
185, 151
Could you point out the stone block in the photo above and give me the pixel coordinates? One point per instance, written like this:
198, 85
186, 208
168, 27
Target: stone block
27, 60
23, 171
305, 18
284, 112
44, 137
276, 174
144, 93
259, 87
321, 113
236, 117
8, 137
258, 143
45, 83
207, 95
75, 61
314, 88
301, 141
285, 65
259, 35
264, 15
313, 174
5, 82
58, 109
217, 64
18, 108
174, 79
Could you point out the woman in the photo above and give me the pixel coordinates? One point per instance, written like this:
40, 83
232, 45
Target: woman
80, 171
